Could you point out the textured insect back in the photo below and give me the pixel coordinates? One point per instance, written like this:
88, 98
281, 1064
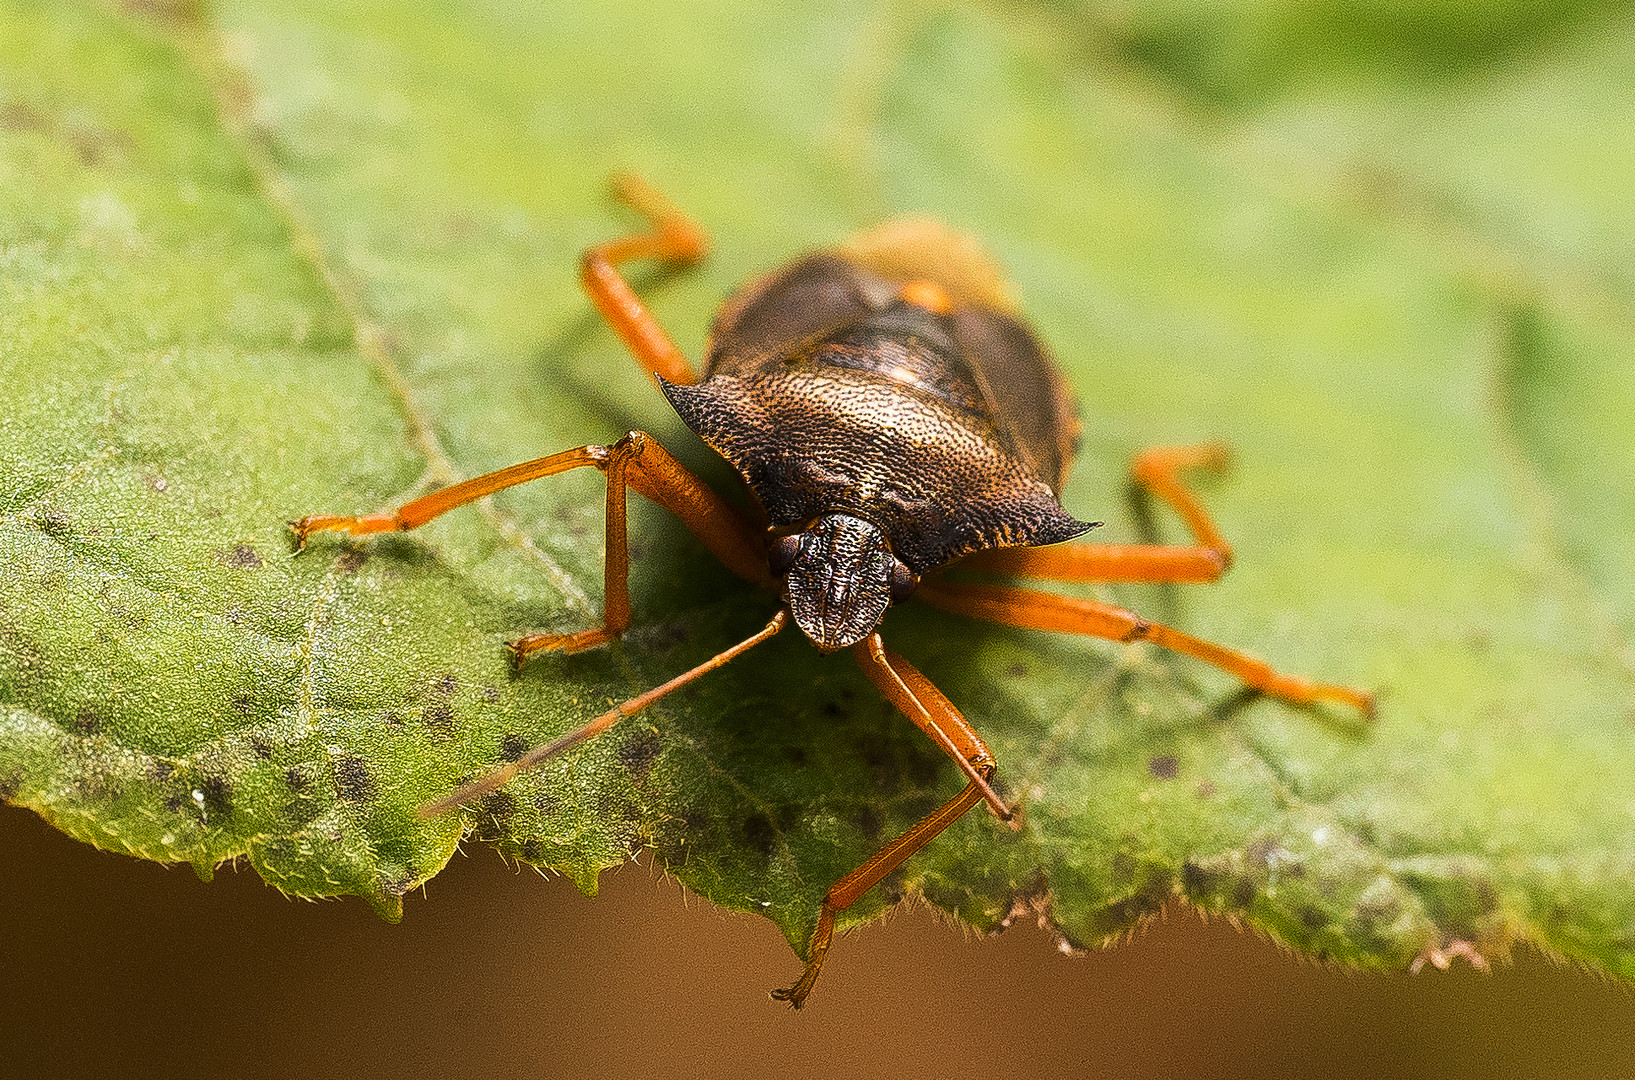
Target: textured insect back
1032, 408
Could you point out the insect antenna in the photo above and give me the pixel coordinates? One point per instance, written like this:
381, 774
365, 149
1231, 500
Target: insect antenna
503, 775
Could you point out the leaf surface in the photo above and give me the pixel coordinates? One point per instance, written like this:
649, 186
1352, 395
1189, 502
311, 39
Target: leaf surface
292, 258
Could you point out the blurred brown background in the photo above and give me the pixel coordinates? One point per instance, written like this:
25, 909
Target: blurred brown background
114, 967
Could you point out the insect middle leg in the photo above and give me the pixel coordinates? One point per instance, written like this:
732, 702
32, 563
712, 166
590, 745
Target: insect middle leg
637, 461
918, 699
1158, 470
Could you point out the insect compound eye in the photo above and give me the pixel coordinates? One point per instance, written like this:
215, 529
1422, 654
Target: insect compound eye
783, 553
903, 582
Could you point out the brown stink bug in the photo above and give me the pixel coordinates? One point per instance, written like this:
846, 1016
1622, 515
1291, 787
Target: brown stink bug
890, 415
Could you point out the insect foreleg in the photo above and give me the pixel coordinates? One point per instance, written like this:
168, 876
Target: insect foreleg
917, 698
505, 773
414, 514
637, 462
933, 713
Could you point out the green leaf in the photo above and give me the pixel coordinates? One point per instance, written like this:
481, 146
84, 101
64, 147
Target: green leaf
278, 260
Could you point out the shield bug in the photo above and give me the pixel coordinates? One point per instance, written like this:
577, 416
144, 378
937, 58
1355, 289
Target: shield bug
891, 416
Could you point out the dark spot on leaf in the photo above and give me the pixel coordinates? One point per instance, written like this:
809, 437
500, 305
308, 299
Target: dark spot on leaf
447, 684
174, 13
160, 770
1128, 912
513, 747
1197, 880
1456, 892
1243, 894
869, 823
298, 812
638, 754
1206, 789
52, 522
1164, 766
547, 803
244, 705
498, 805
613, 807
1377, 916
11, 782
352, 780
491, 694
218, 795
86, 722
401, 883
891, 889
665, 635
455, 227
1312, 918
174, 803
1016, 671
97, 146
438, 718
393, 720
351, 560
240, 557
1262, 851
296, 779
680, 838
1122, 870
760, 835
897, 764
795, 755
16, 116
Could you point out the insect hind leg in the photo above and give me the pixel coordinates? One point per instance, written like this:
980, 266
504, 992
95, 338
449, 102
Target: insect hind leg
674, 239
1033, 610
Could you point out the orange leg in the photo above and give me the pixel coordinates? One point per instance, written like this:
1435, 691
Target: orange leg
505, 773
675, 240
636, 461
917, 698
1157, 470
1033, 610
934, 714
